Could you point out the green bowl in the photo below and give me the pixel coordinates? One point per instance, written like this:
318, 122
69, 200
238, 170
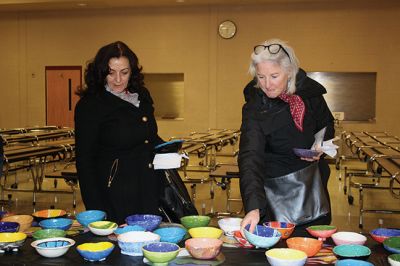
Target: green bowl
193, 221
48, 233
160, 253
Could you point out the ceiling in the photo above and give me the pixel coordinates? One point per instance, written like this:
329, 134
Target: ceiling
43, 5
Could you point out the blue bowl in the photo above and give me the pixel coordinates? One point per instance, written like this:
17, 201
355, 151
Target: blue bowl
171, 234
128, 228
57, 223
350, 262
9, 227
263, 237
87, 217
357, 252
147, 221
95, 251
381, 234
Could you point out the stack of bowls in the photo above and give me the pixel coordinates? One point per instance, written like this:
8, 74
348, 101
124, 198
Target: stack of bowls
131, 243
263, 237
148, 221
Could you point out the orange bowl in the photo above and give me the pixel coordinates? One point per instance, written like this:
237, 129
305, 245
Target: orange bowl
309, 245
286, 229
25, 221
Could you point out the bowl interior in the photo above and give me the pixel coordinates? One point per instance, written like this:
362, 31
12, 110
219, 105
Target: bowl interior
9, 227
128, 228
392, 243
321, 228
95, 247
161, 247
262, 231
103, 225
148, 221
205, 232
53, 243
50, 213
286, 254
352, 251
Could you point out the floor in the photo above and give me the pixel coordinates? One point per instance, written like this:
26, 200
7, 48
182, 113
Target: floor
345, 216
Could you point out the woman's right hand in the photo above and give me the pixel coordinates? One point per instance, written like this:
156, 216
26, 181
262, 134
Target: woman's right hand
252, 218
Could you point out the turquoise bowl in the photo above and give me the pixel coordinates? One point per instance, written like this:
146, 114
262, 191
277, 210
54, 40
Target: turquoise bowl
87, 217
357, 252
56, 223
171, 234
262, 237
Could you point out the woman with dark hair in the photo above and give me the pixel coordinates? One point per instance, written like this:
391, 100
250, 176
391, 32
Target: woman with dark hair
115, 133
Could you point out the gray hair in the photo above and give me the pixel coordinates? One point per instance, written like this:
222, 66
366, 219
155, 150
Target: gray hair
288, 62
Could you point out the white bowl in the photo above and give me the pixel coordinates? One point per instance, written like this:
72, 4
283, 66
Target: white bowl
348, 238
53, 247
286, 257
131, 243
229, 225
102, 228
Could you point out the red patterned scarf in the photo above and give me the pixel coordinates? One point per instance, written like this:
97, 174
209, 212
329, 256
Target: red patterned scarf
297, 108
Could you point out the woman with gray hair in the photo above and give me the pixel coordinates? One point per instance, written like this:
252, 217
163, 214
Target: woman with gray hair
284, 109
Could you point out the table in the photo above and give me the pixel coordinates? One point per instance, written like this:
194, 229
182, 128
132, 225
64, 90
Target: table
27, 255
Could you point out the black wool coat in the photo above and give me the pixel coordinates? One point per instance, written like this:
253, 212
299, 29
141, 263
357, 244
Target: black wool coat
114, 154
268, 136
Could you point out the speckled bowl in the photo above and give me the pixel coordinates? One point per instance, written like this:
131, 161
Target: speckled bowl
160, 253
171, 234
392, 244
131, 243
53, 247
193, 221
286, 257
48, 233
358, 252
9, 227
348, 238
11, 241
203, 248
286, 229
128, 228
352, 262
308, 245
322, 232
380, 234
25, 221
95, 251
56, 223
147, 221
262, 237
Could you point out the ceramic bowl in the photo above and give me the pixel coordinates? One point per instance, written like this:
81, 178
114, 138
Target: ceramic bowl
394, 259
229, 225
351, 262
11, 241
128, 228
286, 229
392, 244
171, 234
9, 227
48, 233
322, 232
160, 253
147, 221
193, 221
53, 247
95, 251
25, 221
263, 237
56, 223
87, 217
286, 257
131, 243
357, 252
203, 248
308, 245
348, 238
205, 232
50, 213
380, 234
102, 228
241, 240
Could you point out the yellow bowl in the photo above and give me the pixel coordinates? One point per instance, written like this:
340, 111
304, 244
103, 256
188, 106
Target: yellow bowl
205, 232
25, 221
286, 256
12, 237
50, 213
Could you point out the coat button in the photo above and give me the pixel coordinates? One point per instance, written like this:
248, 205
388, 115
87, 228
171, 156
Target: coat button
144, 118
150, 165
146, 141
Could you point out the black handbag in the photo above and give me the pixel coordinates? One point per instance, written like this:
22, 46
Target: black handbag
298, 197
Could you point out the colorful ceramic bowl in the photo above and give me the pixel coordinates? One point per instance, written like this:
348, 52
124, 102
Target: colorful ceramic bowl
53, 247
357, 252
263, 237
308, 245
205, 232
89, 216
348, 238
203, 248
171, 234
9, 227
147, 221
11, 241
102, 228
25, 221
394, 260
131, 243
322, 232
128, 228
380, 234
95, 251
286, 229
286, 257
392, 244
193, 221
160, 253
241, 240
50, 213
351, 262
56, 223
48, 233
229, 225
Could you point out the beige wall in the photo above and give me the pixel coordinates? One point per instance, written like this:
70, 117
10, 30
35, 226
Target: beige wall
184, 40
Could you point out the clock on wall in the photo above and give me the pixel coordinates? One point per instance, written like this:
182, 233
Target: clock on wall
227, 29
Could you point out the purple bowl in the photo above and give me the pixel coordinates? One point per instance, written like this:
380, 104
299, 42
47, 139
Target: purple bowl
305, 153
147, 221
9, 227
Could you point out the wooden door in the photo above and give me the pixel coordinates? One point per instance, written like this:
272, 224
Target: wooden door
61, 85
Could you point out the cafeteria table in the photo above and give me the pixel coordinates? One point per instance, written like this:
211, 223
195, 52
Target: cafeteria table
27, 255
